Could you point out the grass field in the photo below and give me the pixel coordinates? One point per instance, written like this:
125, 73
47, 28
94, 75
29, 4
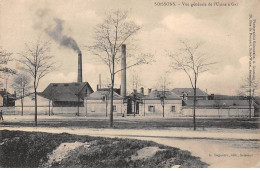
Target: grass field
33, 149
131, 122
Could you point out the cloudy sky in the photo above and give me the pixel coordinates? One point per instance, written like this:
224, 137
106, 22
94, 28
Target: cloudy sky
224, 31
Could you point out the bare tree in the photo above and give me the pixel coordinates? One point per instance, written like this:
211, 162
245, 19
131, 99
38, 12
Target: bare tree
193, 62
136, 80
5, 57
109, 37
21, 84
37, 62
248, 89
5, 71
162, 86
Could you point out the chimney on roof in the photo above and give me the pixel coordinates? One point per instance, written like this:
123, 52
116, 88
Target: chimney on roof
123, 72
79, 67
149, 90
142, 90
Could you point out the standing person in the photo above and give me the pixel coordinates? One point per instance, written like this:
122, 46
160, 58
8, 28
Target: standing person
1, 115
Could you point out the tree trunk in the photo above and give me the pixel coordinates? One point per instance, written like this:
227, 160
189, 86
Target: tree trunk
111, 103
250, 102
35, 100
144, 107
106, 105
163, 108
78, 105
134, 108
49, 108
22, 105
194, 108
22, 100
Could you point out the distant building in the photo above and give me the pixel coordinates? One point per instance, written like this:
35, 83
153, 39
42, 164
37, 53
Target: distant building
7, 99
67, 94
152, 104
98, 104
188, 93
218, 108
135, 102
117, 90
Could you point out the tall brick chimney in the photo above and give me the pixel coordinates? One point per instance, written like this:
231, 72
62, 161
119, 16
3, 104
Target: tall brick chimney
79, 67
123, 72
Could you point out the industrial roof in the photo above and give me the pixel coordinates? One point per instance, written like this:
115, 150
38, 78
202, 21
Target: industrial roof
156, 95
100, 94
189, 91
65, 91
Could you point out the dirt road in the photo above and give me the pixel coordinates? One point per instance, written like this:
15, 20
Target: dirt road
217, 147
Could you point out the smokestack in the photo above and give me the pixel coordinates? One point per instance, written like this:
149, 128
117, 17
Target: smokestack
79, 67
123, 72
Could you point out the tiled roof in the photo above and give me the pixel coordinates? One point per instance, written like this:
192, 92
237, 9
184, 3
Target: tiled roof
156, 95
64, 91
189, 91
100, 94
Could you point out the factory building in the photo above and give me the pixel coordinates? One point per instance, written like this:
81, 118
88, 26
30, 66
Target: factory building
67, 94
154, 101
188, 93
98, 104
218, 108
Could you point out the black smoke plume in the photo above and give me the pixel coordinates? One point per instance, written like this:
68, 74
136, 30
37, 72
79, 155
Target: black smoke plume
55, 30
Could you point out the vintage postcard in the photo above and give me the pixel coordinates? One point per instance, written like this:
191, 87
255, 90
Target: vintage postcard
129, 84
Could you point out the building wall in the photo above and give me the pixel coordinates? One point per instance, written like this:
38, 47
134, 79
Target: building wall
68, 111
27, 110
197, 97
43, 110
68, 104
42, 107
98, 107
1, 101
220, 112
86, 91
158, 109
29, 101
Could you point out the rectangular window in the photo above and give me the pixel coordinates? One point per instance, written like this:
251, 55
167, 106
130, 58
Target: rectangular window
151, 108
114, 108
173, 109
92, 109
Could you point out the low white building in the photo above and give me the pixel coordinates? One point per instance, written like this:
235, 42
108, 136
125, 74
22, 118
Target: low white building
154, 101
98, 104
218, 108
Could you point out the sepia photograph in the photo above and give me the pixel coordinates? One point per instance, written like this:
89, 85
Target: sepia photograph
129, 84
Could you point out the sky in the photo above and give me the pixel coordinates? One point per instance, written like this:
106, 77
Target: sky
223, 30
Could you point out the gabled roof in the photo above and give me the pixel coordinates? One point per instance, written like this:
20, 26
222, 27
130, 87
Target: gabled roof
65, 91
189, 91
137, 95
216, 103
100, 95
156, 95
117, 90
